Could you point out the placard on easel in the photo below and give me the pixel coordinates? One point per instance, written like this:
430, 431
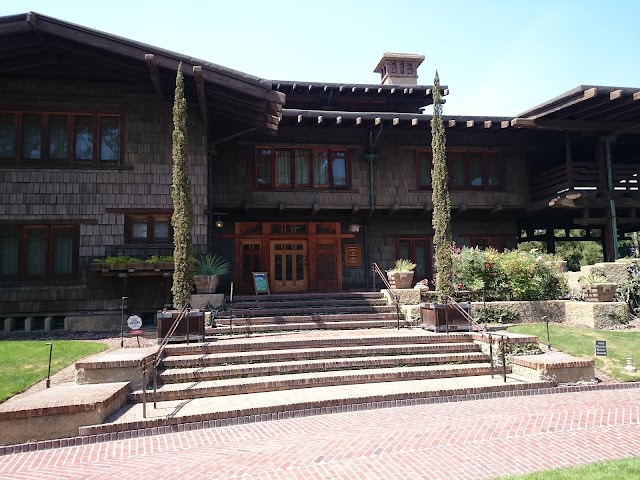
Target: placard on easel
261, 282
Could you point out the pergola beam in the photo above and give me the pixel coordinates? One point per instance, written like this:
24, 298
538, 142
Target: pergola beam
152, 65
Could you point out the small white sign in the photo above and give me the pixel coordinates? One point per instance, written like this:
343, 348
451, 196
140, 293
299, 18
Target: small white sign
134, 322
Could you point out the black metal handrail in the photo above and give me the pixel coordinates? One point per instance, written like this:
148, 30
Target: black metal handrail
155, 360
474, 326
394, 297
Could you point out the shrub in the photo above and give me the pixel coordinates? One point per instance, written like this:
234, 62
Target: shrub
491, 314
629, 291
512, 275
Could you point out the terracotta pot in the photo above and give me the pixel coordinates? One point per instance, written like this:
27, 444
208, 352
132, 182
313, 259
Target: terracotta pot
400, 279
206, 283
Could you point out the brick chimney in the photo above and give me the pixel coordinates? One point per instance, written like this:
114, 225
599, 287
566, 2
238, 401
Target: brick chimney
399, 68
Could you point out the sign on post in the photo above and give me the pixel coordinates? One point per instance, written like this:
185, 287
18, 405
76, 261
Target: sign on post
261, 283
601, 348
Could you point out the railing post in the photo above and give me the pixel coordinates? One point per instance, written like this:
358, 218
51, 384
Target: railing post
491, 354
504, 359
144, 390
188, 320
155, 385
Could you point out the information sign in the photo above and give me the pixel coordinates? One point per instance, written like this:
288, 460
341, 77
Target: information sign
261, 282
601, 348
134, 322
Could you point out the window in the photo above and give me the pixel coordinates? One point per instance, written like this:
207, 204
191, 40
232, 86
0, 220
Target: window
59, 138
467, 169
496, 243
301, 168
38, 252
416, 250
149, 228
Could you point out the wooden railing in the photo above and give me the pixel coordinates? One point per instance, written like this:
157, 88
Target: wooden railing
583, 176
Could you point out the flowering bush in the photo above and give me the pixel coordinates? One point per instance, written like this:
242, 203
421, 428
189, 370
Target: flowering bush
512, 275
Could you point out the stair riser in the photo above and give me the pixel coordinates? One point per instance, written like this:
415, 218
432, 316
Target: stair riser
214, 360
351, 364
279, 385
315, 319
291, 312
220, 347
310, 297
294, 327
310, 303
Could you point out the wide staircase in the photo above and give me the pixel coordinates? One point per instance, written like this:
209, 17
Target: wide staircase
308, 311
291, 355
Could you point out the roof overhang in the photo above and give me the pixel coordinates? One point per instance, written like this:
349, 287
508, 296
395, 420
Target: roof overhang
32, 39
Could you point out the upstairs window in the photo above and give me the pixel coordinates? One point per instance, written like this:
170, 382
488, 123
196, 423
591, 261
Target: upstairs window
467, 169
301, 168
33, 138
149, 228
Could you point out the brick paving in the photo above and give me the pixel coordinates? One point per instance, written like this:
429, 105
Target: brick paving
462, 440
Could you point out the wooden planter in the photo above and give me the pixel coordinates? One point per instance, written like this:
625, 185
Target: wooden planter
599, 292
191, 327
206, 283
442, 318
400, 279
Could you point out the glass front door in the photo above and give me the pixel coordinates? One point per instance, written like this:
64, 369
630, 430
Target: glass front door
288, 265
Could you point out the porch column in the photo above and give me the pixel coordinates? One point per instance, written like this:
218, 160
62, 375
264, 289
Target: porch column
610, 246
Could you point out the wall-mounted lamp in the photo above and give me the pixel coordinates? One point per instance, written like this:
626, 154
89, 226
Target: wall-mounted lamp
353, 226
219, 223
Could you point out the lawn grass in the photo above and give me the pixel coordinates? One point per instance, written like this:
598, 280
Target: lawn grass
25, 362
609, 470
580, 342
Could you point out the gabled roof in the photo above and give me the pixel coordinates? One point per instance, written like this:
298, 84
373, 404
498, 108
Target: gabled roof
587, 108
32, 40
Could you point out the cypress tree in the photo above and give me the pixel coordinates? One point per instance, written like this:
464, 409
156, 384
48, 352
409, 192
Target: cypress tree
441, 219
182, 219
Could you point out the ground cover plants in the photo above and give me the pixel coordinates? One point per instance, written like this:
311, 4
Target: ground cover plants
609, 470
25, 362
580, 342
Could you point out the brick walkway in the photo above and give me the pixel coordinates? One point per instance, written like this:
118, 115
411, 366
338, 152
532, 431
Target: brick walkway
463, 440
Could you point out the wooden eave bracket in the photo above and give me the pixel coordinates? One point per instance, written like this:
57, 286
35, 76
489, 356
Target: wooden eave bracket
202, 98
152, 65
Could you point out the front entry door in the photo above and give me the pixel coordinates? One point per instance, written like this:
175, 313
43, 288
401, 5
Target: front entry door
288, 265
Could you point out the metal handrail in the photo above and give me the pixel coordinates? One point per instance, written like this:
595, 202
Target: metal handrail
475, 326
394, 297
157, 358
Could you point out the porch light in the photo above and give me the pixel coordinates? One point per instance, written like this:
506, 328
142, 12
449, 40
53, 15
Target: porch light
353, 226
219, 223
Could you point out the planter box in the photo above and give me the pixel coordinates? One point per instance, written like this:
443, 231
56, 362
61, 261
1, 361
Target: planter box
599, 292
191, 327
400, 279
441, 318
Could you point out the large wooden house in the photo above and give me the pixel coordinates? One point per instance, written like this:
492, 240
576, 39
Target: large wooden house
309, 182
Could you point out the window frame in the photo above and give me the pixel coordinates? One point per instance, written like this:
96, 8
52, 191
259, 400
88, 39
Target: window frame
487, 155
45, 159
490, 241
22, 276
412, 239
151, 219
332, 155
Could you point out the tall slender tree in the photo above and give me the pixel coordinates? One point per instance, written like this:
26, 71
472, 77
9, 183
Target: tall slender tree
182, 219
441, 219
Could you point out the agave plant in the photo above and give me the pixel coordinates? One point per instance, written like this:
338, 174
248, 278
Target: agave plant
403, 265
212, 265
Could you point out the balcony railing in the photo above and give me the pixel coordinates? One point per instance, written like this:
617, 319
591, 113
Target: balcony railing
583, 176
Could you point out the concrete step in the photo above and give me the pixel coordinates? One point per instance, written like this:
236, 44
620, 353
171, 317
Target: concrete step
262, 302
275, 310
322, 339
176, 375
215, 359
240, 386
311, 401
305, 318
311, 296
249, 329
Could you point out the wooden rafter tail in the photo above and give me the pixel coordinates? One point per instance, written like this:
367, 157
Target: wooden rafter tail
505, 124
488, 124
451, 123
202, 99
154, 73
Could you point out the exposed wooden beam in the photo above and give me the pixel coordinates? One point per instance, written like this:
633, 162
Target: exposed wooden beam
470, 123
396, 121
414, 122
497, 208
152, 65
355, 209
393, 209
320, 120
603, 221
488, 123
505, 124
377, 121
202, 99
338, 120
452, 123
280, 208
573, 125
315, 209
586, 95
358, 120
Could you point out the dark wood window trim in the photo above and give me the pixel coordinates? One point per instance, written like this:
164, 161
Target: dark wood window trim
468, 156
425, 270
284, 172
134, 234
98, 130
496, 242
55, 246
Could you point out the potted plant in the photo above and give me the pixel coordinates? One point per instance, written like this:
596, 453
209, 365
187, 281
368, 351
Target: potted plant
401, 275
597, 288
209, 269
